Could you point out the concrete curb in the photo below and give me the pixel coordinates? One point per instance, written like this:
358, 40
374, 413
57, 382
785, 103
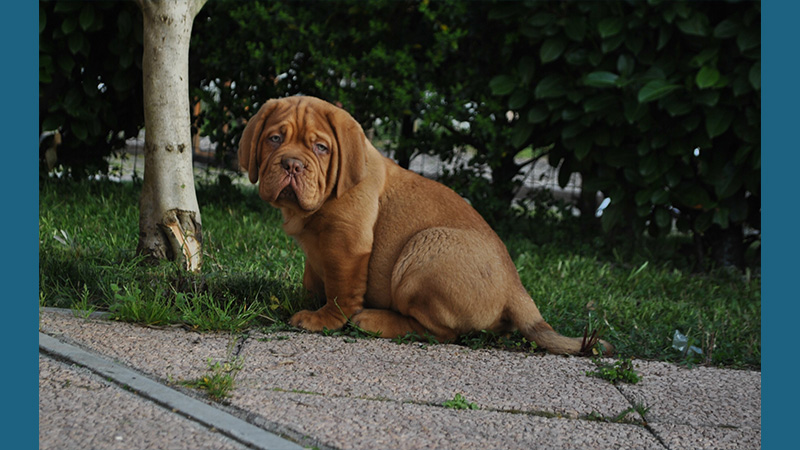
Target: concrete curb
171, 399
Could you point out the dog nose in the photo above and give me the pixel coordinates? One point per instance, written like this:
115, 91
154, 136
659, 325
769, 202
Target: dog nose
292, 165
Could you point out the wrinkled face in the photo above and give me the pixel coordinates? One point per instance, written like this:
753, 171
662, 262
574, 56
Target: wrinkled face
295, 147
302, 150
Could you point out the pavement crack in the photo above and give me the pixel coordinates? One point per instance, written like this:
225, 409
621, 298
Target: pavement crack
642, 411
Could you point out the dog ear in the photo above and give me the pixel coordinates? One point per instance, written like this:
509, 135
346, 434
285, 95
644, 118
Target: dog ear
249, 143
351, 156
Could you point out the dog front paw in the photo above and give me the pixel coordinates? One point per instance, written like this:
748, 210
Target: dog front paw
317, 321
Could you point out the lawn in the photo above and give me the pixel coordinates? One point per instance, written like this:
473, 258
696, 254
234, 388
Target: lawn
252, 277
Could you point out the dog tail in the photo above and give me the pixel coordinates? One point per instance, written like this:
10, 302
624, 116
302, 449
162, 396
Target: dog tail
526, 317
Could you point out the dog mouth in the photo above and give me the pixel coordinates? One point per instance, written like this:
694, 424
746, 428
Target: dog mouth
287, 193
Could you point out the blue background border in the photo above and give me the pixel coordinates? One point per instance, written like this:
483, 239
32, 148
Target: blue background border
19, 226
780, 125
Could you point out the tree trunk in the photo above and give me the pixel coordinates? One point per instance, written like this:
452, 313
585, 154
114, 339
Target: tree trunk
169, 216
404, 150
727, 245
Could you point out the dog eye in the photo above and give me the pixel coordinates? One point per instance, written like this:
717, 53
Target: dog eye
320, 148
276, 138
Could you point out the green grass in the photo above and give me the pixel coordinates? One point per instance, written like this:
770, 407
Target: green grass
220, 379
252, 277
459, 402
620, 371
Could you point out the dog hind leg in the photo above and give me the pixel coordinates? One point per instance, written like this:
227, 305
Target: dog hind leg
390, 324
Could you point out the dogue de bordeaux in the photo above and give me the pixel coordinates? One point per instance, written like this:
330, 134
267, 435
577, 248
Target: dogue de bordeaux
388, 249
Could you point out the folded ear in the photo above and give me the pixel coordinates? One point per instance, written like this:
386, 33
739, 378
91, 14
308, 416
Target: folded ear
351, 154
249, 148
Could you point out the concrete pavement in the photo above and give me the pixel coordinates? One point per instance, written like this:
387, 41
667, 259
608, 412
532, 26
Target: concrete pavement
105, 384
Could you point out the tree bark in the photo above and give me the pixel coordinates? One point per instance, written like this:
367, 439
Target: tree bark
169, 215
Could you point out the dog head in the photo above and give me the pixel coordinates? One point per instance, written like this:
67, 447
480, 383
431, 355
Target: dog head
301, 151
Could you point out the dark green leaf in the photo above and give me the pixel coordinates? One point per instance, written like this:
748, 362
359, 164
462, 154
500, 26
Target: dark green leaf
648, 165
642, 197
518, 99
741, 85
67, 6
633, 110
655, 90
703, 221
748, 39
610, 26
79, 129
726, 29
738, 210
76, 43
612, 43
595, 57
520, 134
600, 79
695, 25
125, 60
755, 76
600, 103
575, 28
663, 218
527, 67
705, 56
571, 113
721, 217
660, 197
549, 87
66, 62
741, 154
619, 157
572, 130
664, 35
728, 185
123, 81
45, 76
551, 49
87, 16
695, 197
597, 184
673, 178
42, 20
707, 77
602, 137
707, 97
72, 101
718, 121
676, 106
542, 19
69, 25
625, 65
124, 23
52, 122
538, 114
504, 11
583, 145
502, 84
634, 43
577, 56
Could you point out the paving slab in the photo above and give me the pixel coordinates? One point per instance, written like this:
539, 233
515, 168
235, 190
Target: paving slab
339, 393
382, 369
79, 409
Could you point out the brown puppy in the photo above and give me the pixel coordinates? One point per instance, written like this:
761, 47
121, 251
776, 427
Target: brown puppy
389, 249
